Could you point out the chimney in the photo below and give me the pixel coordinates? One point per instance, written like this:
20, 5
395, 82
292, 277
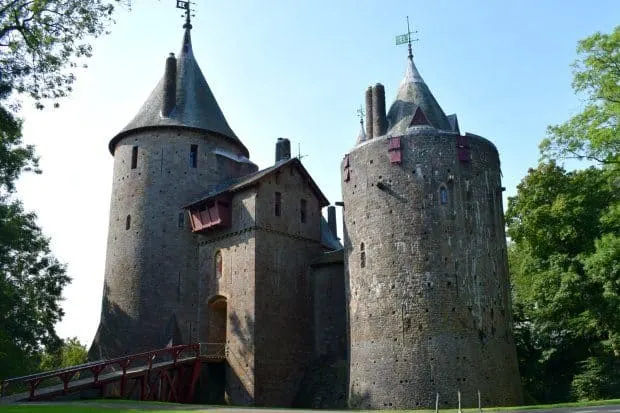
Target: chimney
379, 126
170, 86
369, 114
283, 149
331, 220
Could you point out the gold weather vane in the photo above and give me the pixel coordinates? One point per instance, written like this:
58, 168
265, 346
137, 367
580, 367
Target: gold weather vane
406, 38
186, 5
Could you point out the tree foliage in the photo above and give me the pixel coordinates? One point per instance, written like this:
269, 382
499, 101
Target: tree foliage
43, 41
565, 265
70, 353
41, 44
31, 279
592, 134
565, 243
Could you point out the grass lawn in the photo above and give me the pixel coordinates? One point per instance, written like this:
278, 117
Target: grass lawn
128, 406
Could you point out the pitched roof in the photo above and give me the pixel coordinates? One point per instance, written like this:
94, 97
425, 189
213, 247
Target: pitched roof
252, 179
413, 93
195, 108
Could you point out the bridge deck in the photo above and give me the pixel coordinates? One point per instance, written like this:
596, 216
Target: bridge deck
121, 372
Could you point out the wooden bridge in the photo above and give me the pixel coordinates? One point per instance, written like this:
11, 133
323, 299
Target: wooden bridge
169, 374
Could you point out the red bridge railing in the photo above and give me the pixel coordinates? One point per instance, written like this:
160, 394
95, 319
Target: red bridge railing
140, 365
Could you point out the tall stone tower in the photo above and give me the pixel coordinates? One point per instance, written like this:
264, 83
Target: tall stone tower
178, 147
425, 259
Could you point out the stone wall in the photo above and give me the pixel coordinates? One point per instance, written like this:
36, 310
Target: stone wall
329, 306
236, 283
428, 291
285, 246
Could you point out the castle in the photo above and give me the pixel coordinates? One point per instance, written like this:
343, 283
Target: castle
205, 247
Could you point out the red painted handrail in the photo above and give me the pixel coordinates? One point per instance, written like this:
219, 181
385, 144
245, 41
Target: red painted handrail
66, 374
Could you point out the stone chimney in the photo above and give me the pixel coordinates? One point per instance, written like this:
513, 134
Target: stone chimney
283, 149
331, 220
379, 126
369, 113
170, 86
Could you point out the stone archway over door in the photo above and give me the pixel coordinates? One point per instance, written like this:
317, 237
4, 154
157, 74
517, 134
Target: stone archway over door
217, 317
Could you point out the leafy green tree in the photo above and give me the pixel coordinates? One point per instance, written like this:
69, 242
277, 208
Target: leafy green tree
31, 279
70, 353
41, 43
592, 134
564, 265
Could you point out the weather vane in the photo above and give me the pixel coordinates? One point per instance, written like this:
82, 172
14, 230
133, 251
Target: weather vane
406, 38
185, 5
361, 114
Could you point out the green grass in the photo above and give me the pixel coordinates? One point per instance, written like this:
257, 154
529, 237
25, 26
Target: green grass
129, 406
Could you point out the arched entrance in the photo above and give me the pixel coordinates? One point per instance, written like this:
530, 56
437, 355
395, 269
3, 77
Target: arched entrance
217, 315
216, 320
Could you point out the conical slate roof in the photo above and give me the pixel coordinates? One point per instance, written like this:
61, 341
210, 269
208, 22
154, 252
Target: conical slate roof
195, 107
361, 137
414, 93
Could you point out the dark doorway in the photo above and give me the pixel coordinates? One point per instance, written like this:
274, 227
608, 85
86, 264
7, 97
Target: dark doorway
214, 375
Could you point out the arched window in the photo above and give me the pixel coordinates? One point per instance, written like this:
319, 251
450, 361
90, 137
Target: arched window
218, 264
362, 255
128, 222
443, 195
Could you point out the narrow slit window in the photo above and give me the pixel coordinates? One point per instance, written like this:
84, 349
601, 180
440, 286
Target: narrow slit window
218, 264
128, 222
134, 157
181, 220
303, 210
278, 204
443, 195
362, 255
193, 156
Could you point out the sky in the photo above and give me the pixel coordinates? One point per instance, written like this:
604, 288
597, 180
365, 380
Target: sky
299, 70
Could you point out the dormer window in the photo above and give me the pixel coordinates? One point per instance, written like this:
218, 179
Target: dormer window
211, 214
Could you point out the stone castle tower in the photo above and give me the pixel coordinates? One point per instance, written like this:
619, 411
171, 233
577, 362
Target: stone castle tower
425, 259
175, 149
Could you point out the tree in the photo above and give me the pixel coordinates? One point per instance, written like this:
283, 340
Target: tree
565, 260
592, 134
31, 279
70, 353
42, 41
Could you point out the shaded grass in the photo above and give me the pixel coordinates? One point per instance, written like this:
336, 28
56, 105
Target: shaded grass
129, 406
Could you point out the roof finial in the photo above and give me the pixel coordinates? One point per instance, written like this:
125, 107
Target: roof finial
361, 114
406, 38
182, 4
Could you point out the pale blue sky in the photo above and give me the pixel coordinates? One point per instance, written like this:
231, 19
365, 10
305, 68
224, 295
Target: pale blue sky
299, 70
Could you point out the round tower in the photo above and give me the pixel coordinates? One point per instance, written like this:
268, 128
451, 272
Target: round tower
426, 266
177, 148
